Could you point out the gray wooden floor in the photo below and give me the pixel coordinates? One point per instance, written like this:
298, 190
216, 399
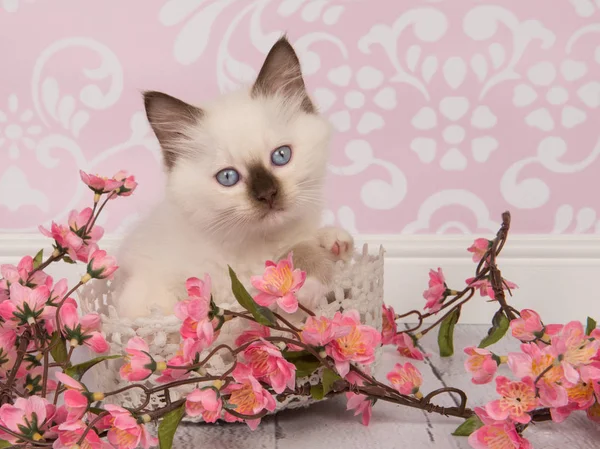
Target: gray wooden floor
328, 425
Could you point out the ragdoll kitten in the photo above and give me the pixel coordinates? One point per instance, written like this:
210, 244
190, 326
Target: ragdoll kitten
244, 185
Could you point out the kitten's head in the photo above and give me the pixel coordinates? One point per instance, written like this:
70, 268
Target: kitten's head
252, 161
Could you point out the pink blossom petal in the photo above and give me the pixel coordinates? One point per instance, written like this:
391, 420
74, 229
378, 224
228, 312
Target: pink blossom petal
288, 303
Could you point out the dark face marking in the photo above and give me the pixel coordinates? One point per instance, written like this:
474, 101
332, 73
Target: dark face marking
263, 187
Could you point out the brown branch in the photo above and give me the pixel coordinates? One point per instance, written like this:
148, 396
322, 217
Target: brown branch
90, 426
496, 279
5, 396
110, 196
48, 261
306, 310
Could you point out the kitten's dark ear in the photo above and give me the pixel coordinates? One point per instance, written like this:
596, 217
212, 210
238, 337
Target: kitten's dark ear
281, 74
170, 118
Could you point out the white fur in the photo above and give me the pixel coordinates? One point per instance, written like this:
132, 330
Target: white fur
187, 235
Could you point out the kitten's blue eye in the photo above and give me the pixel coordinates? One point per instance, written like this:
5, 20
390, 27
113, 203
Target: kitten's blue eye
228, 177
281, 155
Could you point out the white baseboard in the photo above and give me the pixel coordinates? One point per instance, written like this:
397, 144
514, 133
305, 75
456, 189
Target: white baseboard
557, 275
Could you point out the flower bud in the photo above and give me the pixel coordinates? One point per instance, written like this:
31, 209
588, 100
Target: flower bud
161, 366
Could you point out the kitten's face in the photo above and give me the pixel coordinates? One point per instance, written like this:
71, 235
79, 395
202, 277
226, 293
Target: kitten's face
250, 163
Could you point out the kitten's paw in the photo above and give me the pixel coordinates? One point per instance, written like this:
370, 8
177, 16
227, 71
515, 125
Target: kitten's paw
337, 241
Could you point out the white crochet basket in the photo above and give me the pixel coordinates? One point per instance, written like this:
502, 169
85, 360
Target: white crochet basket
358, 285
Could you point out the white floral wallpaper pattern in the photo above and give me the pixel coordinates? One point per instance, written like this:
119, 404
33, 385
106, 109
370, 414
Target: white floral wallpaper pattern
446, 112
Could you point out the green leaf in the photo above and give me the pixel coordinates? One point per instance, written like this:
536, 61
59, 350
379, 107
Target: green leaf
77, 371
316, 392
470, 425
4, 443
499, 327
37, 260
168, 426
591, 325
59, 348
261, 314
292, 355
446, 334
329, 378
305, 365
68, 259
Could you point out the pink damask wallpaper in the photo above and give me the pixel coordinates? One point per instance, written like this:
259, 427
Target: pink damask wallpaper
446, 112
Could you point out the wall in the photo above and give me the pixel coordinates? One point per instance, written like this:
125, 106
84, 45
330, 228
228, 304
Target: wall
446, 112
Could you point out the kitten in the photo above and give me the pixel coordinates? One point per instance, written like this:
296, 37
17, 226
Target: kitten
244, 185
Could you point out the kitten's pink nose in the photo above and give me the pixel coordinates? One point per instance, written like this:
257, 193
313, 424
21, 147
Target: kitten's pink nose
268, 196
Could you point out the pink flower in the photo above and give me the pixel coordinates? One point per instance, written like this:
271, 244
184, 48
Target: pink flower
320, 331
3, 290
139, 364
101, 265
205, 402
25, 417
531, 362
498, 436
267, 364
187, 354
84, 330
362, 405
65, 239
575, 349
389, 327
21, 274
528, 327
593, 413
194, 312
437, 291
99, 184
479, 248
406, 379
197, 288
77, 223
8, 353
58, 292
406, 347
485, 287
518, 399
481, 364
29, 303
7, 313
581, 397
125, 432
79, 220
128, 183
254, 332
70, 432
76, 402
202, 331
359, 402
248, 396
356, 346
279, 283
